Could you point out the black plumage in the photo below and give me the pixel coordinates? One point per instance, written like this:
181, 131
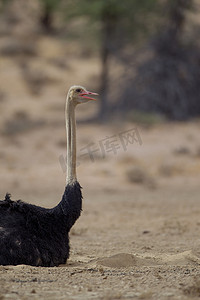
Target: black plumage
37, 236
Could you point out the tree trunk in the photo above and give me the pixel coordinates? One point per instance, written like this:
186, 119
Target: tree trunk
47, 19
104, 80
109, 20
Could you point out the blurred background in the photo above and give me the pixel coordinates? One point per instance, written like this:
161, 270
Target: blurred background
141, 56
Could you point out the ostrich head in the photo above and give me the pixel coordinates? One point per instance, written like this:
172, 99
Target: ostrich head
78, 94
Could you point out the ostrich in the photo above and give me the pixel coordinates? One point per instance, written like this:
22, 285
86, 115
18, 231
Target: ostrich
37, 236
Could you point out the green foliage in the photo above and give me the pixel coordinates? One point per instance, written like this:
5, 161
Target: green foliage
3, 3
50, 5
96, 8
128, 15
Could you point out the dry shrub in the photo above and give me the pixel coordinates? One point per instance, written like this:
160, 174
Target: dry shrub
20, 123
15, 48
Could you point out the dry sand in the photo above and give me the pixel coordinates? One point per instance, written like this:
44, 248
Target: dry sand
134, 240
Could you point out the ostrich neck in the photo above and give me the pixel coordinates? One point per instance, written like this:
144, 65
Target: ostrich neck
71, 141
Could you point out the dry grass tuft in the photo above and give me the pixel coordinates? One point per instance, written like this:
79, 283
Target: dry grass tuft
170, 169
140, 176
182, 150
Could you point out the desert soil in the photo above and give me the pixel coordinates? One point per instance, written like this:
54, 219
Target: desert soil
139, 233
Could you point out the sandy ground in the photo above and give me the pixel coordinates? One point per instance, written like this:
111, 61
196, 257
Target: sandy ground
138, 235
137, 238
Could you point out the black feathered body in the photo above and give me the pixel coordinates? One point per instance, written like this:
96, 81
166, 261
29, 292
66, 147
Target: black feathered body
37, 236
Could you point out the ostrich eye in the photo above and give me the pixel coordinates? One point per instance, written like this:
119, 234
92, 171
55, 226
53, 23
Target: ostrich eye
78, 90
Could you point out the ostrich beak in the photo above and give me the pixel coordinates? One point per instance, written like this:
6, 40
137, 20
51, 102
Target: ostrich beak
85, 95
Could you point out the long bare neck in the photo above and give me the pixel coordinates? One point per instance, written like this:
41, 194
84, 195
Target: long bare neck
71, 141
